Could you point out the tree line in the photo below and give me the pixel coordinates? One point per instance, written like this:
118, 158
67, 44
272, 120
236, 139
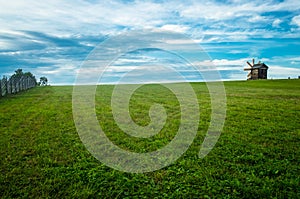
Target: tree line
19, 73
20, 81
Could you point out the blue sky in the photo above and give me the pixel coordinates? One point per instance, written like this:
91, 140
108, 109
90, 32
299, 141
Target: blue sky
53, 39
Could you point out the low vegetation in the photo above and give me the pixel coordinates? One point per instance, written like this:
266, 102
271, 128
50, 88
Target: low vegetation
257, 155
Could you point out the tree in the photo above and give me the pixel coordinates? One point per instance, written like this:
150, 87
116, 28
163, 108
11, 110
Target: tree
29, 74
43, 81
18, 73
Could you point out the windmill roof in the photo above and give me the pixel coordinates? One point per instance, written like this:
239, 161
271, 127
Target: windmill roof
261, 65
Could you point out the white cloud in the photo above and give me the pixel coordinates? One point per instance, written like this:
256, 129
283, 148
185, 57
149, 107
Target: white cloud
61, 17
276, 23
283, 72
296, 20
226, 62
175, 28
216, 11
183, 41
257, 18
294, 59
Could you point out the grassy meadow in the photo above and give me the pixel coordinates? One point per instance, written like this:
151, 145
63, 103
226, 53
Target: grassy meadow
257, 155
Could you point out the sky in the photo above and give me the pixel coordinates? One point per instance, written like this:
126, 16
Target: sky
55, 38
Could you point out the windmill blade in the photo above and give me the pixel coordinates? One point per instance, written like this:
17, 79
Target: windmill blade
249, 64
253, 62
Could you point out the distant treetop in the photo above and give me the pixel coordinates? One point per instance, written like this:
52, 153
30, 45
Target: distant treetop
43, 81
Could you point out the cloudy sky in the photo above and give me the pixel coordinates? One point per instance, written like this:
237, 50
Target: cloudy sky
53, 38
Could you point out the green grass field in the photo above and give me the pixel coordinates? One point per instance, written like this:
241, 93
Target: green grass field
257, 155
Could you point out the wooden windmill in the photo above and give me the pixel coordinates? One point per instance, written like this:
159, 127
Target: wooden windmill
257, 71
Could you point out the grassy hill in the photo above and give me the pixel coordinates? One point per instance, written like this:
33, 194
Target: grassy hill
257, 155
